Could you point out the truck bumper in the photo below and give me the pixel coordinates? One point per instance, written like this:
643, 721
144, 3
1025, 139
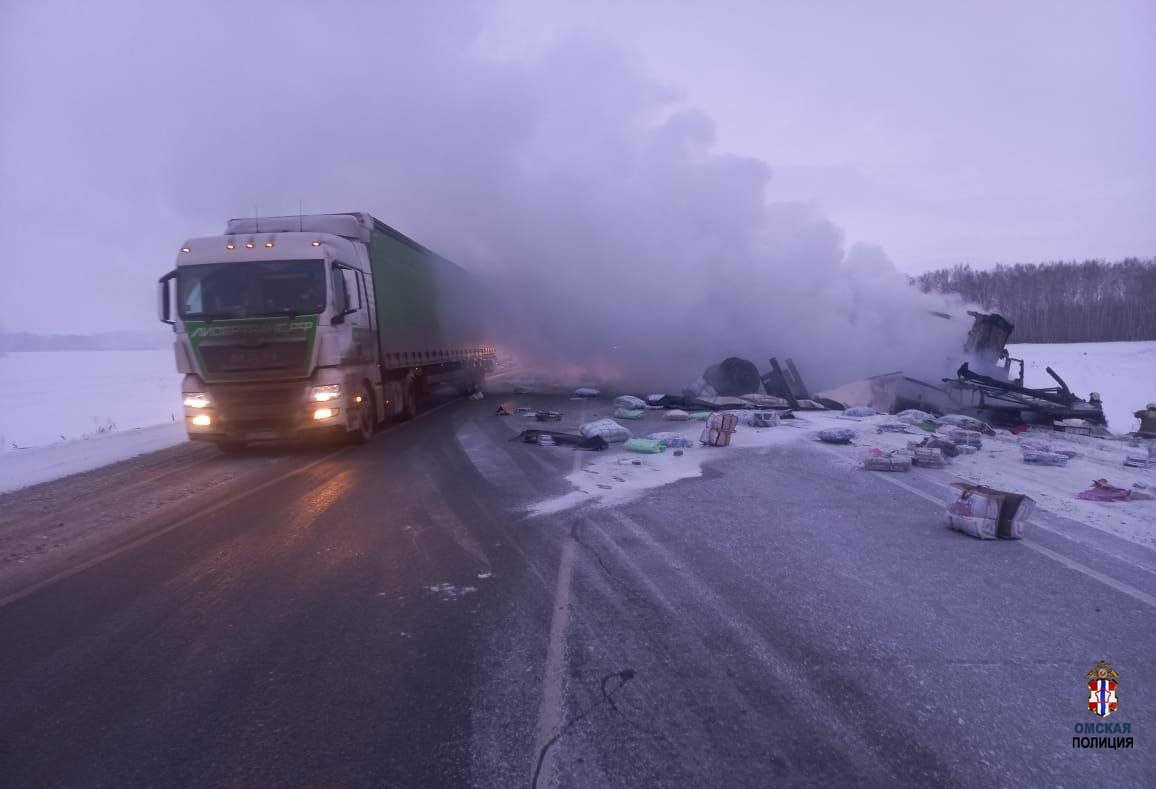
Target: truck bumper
264, 412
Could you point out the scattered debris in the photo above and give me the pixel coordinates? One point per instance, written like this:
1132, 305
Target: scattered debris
894, 427
587, 391
629, 413
859, 411
946, 446
548, 416
508, 408
928, 457
607, 429
967, 449
913, 416
959, 435
678, 453
546, 440
644, 445
992, 393
533, 436
732, 377
837, 435
987, 513
1147, 417
478, 395
1045, 454
786, 384
655, 399
450, 592
1139, 461
895, 460
719, 429
699, 416
765, 401
967, 423
672, 440
629, 402
1102, 491
755, 418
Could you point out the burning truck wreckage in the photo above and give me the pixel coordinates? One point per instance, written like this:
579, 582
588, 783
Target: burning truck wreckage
916, 422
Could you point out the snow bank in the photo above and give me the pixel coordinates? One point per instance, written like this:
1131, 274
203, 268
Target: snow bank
1124, 373
20, 468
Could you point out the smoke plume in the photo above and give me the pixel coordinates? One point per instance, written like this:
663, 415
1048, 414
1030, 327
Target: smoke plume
619, 240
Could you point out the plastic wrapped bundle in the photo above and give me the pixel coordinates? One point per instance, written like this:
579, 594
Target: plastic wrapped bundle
913, 416
967, 449
1042, 457
629, 413
755, 418
646, 446
967, 423
837, 435
672, 440
586, 391
629, 401
859, 410
987, 513
877, 460
719, 429
928, 457
676, 415
607, 429
959, 435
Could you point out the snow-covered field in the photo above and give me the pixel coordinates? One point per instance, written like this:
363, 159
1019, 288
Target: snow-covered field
51, 397
64, 412
1124, 373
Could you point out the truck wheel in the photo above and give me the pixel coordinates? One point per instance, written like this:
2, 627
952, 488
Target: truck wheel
408, 401
231, 447
367, 415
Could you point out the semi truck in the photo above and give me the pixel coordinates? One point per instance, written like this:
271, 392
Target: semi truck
291, 327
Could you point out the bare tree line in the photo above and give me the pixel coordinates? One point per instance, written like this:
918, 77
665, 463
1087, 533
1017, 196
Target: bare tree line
1061, 301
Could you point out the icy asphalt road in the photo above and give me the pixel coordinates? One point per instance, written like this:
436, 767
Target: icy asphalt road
389, 616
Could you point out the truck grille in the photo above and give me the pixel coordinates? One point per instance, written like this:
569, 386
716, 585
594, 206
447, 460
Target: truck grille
259, 406
233, 358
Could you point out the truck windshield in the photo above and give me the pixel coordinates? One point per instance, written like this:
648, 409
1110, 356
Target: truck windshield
247, 290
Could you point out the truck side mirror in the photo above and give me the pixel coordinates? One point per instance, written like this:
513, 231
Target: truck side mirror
164, 300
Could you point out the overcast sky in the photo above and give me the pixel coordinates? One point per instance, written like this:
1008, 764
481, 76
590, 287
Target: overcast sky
942, 132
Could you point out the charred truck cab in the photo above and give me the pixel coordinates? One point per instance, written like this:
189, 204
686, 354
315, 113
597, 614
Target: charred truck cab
291, 327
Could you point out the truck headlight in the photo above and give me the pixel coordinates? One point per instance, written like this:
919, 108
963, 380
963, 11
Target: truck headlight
197, 400
202, 420
325, 413
323, 394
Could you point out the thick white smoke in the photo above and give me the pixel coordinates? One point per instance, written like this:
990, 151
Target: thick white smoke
619, 240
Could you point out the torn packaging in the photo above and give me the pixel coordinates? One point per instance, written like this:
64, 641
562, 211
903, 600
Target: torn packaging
988, 513
719, 429
534, 436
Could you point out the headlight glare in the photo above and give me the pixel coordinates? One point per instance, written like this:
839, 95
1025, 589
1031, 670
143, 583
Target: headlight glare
197, 400
323, 394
